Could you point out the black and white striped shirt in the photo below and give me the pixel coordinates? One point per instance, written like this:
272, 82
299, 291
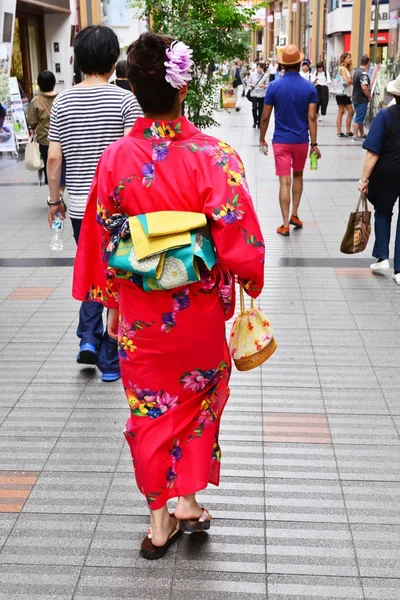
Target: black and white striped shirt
85, 120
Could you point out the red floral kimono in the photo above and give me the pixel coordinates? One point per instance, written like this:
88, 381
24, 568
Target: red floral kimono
174, 358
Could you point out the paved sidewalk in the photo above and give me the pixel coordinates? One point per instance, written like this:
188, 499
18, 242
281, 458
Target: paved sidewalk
308, 507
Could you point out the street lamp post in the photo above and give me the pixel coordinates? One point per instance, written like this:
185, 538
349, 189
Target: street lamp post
376, 31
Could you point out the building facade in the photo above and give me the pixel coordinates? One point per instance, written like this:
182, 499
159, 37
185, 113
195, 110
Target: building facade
340, 31
40, 34
393, 63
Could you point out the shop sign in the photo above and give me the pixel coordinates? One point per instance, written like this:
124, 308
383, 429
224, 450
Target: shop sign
270, 18
294, 7
17, 112
285, 12
277, 15
383, 37
7, 139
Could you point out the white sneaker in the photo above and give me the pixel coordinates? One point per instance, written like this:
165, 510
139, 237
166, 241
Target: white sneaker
384, 265
396, 278
321, 119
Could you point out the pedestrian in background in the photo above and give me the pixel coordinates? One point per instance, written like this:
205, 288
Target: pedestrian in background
344, 101
175, 361
121, 72
295, 102
361, 97
238, 74
322, 82
258, 83
305, 70
84, 121
380, 179
39, 118
272, 69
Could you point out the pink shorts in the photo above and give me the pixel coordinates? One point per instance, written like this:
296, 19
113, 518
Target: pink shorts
288, 157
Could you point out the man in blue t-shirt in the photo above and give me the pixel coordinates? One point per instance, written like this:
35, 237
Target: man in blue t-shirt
295, 102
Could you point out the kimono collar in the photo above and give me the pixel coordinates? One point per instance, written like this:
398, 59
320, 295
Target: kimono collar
174, 131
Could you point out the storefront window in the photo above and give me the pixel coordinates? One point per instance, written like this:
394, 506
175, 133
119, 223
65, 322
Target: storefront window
33, 54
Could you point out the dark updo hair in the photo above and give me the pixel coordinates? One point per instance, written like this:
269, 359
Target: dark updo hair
46, 81
146, 72
96, 50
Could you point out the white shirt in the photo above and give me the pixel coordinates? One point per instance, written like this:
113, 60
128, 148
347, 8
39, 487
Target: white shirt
322, 78
258, 79
272, 69
348, 88
306, 75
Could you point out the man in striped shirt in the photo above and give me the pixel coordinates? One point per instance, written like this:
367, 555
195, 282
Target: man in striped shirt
84, 121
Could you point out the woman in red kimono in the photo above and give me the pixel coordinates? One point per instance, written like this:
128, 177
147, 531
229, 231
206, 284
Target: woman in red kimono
174, 358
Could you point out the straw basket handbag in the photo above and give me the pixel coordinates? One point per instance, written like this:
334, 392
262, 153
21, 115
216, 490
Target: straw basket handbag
252, 340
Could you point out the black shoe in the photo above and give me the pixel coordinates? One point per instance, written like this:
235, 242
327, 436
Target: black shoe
340, 135
237, 108
350, 134
254, 125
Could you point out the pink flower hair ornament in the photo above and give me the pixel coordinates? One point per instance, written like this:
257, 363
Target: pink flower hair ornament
179, 64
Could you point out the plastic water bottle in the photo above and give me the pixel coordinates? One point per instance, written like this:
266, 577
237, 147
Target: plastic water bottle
57, 229
314, 161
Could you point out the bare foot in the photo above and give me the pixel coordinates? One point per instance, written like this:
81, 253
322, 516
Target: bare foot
161, 532
188, 509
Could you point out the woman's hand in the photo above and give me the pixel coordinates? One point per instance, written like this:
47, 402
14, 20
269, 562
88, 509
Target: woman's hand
112, 323
55, 211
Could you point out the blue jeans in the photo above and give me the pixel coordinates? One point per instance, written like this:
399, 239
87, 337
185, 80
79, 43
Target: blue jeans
360, 113
383, 221
91, 329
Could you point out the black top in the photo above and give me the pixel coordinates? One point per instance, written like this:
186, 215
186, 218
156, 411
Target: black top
124, 84
360, 77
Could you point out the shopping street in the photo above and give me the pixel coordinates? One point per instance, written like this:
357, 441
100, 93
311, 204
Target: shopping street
308, 507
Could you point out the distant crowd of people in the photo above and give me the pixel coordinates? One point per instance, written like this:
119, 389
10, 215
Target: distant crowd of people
254, 79
352, 96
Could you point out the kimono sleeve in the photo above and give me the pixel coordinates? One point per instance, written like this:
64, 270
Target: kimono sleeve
234, 224
93, 281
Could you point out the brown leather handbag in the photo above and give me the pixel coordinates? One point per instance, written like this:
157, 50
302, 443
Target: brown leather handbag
358, 228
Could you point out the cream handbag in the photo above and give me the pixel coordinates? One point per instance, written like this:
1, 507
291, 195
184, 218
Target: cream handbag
252, 340
33, 159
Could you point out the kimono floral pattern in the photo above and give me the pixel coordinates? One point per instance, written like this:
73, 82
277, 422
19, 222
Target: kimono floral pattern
161, 130
127, 335
175, 363
180, 301
148, 403
229, 212
176, 454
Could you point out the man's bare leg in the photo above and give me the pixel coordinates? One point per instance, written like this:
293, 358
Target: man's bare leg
284, 198
297, 190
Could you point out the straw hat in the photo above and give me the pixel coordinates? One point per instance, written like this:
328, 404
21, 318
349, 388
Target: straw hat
393, 87
291, 55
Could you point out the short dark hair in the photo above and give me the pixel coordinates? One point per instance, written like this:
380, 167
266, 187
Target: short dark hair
121, 69
320, 65
46, 81
365, 60
96, 50
146, 72
261, 65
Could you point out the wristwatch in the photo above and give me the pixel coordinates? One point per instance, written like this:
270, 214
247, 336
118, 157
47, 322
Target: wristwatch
59, 201
313, 145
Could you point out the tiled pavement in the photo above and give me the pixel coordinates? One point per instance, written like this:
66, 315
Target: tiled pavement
308, 507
